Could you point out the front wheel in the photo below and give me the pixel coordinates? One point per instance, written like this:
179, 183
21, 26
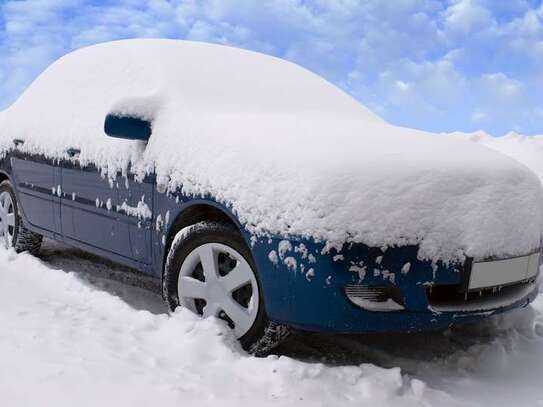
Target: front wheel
12, 231
210, 271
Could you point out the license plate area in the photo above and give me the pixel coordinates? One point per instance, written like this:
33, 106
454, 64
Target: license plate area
503, 272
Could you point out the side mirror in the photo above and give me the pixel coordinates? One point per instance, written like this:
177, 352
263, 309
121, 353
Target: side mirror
130, 128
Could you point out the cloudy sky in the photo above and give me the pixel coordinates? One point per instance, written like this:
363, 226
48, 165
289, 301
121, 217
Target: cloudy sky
437, 65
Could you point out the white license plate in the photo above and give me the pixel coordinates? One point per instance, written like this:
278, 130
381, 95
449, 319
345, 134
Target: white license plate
502, 272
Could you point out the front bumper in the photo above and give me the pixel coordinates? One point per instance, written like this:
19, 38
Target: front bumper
304, 288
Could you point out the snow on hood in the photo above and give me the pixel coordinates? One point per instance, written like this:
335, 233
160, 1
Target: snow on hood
526, 149
289, 152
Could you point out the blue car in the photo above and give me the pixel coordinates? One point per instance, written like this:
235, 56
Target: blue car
96, 155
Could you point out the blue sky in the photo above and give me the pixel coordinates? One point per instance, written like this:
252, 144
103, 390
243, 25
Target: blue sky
435, 65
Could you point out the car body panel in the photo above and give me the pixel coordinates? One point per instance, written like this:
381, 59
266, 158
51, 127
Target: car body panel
141, 229
36, 179
88, 199
317, 301
303, 282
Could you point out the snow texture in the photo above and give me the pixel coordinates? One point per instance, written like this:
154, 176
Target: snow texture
68, 339
141, 211
284, 247
272, 256
290, 153
405, 268
69, 332
526, 149
291, 263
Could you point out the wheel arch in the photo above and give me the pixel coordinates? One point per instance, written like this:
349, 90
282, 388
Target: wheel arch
4, 176
198, 211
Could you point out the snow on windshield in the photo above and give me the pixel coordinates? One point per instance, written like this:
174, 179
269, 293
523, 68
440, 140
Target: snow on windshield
287, 151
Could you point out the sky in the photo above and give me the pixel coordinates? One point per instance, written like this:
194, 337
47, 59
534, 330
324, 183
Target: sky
435, 65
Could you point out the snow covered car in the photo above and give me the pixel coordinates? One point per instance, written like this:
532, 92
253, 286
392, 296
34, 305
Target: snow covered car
259, 193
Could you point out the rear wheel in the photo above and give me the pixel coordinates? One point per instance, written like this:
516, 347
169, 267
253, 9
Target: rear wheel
210, 271
12, 231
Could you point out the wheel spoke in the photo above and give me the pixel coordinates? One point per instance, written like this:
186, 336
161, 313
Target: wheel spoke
5, 204
210, 310
6, 201
10, 219
237, 277
238, 314
191, 288
209, 262
6, 239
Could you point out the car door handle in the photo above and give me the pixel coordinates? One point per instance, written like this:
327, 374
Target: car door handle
72, 152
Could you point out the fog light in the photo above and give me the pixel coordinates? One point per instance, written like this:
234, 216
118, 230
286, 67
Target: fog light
375, 298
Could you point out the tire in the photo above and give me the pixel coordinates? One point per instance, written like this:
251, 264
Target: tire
258, 336
15, 234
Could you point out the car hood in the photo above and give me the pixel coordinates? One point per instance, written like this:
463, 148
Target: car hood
339, 179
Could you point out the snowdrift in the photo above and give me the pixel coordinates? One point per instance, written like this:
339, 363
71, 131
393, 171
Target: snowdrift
70, 333
66, 340
289, 152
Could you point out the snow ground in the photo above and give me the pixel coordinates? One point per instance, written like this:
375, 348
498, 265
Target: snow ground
72, 334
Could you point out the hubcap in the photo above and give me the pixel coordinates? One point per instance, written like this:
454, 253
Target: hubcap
216, 280
7, 219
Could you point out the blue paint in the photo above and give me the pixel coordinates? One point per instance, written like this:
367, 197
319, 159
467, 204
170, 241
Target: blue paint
307, 300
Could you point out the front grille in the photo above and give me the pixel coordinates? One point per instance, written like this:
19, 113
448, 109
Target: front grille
455, 297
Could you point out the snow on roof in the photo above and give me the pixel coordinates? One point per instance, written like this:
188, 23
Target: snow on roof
287, 150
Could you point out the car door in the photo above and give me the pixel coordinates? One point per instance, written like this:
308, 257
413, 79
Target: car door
113, 215
36, 180
89, 210
136, 211
110, 215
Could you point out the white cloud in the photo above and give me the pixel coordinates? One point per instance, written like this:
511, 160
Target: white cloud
402, 86
499, 86
468, 15
432, 64
479, 116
